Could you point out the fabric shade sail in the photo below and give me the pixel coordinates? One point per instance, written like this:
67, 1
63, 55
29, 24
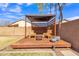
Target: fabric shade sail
41, 20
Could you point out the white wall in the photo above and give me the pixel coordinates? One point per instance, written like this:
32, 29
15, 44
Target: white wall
22, 23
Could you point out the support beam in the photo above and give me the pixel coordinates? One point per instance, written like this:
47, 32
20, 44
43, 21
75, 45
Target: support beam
25, 27
54, 27
55, 12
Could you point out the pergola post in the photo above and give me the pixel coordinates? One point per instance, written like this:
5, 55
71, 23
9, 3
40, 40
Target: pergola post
54, 27
55, 12
25, 27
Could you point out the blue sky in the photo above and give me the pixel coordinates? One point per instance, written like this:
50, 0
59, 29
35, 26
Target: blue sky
11, 12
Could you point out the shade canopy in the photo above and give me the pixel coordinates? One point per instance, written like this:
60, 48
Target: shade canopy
40, 18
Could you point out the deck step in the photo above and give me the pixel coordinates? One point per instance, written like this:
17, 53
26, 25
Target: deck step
24, 43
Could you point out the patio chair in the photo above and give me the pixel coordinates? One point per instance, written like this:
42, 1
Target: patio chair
47, 34
32, 34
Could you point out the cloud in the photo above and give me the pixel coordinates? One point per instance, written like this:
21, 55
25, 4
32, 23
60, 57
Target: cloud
68, 4
3, 6
11, 16
20, 3
11, 13
7, 19
14, 17
73, 18
28, 4
17, 9
4, 22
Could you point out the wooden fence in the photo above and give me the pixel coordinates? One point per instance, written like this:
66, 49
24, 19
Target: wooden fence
12, 30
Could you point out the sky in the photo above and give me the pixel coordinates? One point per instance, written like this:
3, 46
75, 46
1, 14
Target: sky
11, 12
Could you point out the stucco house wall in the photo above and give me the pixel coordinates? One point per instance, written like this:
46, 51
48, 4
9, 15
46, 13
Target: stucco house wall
21, 23
70, 33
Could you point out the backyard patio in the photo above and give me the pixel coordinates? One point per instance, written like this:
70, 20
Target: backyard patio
16, 41
7, 50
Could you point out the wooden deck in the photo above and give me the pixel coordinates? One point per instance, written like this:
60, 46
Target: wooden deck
45, 43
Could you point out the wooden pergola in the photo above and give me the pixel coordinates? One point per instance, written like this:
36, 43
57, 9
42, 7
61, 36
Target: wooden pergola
45, 42
29, 42
41, 18
56, 7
